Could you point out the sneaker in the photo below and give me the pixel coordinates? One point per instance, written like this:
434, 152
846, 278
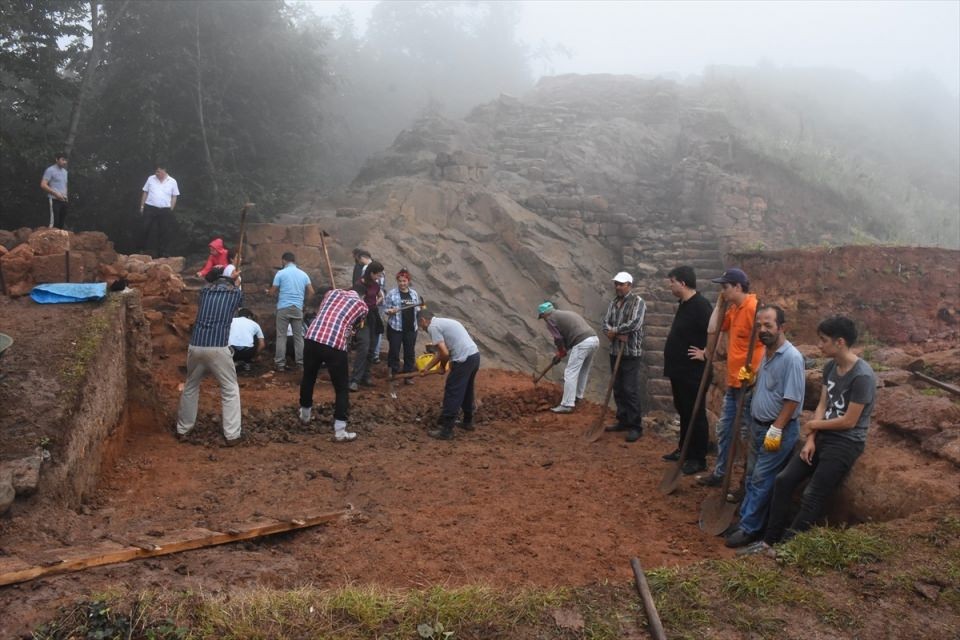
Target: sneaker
354, 386
182, 437
615, 427
466, 426
280, 367
758, 548
710, 480
234, 442
441, 433
562, 408
376, 360
740, 538
344, 436
691, 467
305, 415
633, 435
673, 456
408, 381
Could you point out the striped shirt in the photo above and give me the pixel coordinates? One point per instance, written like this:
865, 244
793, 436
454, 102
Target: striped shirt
215, 310
394, 299
338, 312
627, 319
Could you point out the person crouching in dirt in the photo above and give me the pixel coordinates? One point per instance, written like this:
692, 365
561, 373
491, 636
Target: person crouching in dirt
219, 257
571, 334
326, 342
246, 337
623, 325
774, 422
456, 347
209, 351
835, 436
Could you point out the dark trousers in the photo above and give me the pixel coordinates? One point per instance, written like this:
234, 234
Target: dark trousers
244, 354
626, 392
406, 339
684, 397
60, 210
158, 228
458, 391
832, 461
315, 355
366, 343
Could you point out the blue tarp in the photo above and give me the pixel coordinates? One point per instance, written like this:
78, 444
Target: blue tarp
68, 292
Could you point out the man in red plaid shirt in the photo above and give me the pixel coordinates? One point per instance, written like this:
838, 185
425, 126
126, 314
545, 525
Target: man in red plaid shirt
326, 341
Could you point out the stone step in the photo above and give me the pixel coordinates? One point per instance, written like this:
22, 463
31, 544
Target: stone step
659, 386
654, 359
654, 343
659, 319
662, 403
660, 331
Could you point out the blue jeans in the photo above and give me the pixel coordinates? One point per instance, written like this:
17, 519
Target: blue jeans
756, 501
724, 431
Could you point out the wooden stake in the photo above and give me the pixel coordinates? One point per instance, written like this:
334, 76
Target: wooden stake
653, 618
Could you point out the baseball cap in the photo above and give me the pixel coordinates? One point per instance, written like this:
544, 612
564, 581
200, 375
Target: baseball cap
546, 307
732, 276
622, 277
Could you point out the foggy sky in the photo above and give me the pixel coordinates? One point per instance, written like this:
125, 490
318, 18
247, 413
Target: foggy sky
878, 39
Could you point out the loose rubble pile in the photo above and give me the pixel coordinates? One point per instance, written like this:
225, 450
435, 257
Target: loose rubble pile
29, 257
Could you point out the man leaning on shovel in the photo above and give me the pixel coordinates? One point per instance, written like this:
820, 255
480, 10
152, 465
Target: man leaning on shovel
572, 336
623, 326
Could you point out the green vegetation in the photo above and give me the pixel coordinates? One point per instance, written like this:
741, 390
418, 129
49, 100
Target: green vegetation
84, 350
828, 548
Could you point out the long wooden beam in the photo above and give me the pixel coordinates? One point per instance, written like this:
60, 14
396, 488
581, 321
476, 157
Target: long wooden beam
14, 570
946, 386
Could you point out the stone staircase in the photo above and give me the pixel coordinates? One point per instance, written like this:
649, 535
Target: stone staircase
696, 247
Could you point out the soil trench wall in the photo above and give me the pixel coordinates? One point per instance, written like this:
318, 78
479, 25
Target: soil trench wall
96, 425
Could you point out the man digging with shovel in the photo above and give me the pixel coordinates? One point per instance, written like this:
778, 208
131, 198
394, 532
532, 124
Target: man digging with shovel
571, 335
454, 345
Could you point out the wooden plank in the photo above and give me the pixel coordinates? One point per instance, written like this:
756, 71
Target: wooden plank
946, 386
57, 561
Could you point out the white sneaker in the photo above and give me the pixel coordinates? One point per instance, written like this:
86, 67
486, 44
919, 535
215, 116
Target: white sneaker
562, 408
305, 415
345, 436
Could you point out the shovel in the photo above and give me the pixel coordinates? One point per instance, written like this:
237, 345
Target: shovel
671, 477
716, 512
593, 433
326, 256
539, 376
412, 374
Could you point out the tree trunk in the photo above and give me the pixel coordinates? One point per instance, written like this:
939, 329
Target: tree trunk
98, 33
203, 127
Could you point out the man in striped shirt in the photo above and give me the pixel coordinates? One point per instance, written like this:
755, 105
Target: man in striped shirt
208, 351
623, 324
327, 341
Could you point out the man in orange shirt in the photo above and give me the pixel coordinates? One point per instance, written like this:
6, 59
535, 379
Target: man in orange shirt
738, 325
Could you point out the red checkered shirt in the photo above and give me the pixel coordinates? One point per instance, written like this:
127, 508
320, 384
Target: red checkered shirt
338, 312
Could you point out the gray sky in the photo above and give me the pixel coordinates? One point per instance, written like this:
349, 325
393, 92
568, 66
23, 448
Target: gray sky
879, 39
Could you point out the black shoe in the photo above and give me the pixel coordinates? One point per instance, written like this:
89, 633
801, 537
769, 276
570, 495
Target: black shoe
740, 538
615, 427
691, 467
366, 383
673, 456
443, 433
633, 435
710, 480
466, 426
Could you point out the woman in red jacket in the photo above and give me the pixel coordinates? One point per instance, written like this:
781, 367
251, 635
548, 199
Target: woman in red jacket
217, 257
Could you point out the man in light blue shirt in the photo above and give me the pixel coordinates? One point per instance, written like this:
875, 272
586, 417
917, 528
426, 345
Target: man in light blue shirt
774, 425
292, 284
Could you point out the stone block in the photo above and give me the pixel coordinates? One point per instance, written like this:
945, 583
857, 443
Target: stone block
595, 203
311, 235
53, 268
629, 231
264, 233
565, 202
46, 242
348, 212
592, 229
8, 239
94, 241
7, 492
270, 256
574, 223
176, 264
17, 266
610, 229
24, 474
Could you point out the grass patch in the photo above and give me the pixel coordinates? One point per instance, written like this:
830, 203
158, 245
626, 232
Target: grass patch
85, 349
825, 548
756, 582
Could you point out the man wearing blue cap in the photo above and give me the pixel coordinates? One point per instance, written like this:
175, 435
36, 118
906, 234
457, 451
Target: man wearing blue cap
571, 335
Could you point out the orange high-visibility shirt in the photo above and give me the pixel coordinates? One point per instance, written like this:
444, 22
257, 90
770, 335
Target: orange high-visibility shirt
738, 324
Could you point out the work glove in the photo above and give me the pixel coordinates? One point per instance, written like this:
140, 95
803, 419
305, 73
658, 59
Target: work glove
746, 375
771, 441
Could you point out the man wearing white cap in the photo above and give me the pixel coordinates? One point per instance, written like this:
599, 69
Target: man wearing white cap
571, 334
623, 324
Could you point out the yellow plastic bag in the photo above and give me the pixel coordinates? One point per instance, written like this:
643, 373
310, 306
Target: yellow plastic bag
424, 359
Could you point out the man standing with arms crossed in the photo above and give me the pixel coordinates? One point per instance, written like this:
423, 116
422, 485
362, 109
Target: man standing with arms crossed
208, 351
623, 326
738, 325
683, 364
326, 342
571, 334
292, 285
157, 202
54, 183
774, 422
456, 347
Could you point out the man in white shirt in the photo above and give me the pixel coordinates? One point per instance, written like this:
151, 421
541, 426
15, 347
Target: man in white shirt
157, 202
244, 330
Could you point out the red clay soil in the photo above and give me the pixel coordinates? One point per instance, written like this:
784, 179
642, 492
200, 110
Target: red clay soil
523, 500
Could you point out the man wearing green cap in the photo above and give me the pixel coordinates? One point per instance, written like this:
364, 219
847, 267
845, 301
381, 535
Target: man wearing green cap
571, 335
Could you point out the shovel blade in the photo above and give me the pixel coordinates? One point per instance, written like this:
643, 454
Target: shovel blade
716, 513
670, 480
